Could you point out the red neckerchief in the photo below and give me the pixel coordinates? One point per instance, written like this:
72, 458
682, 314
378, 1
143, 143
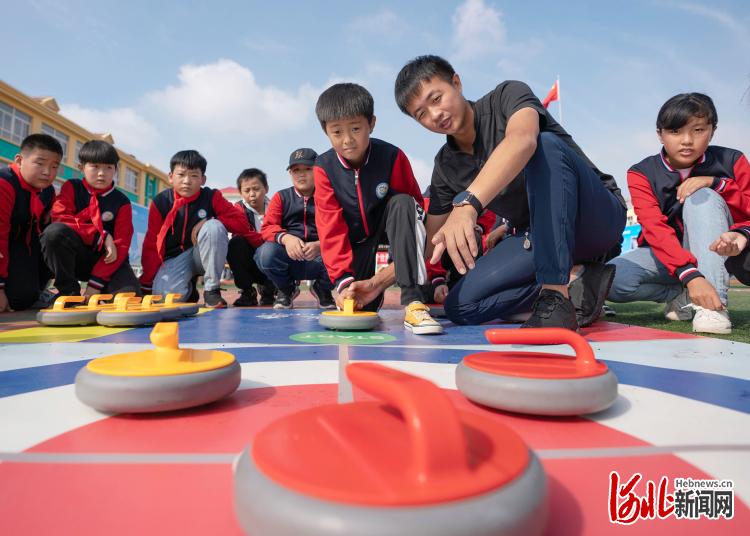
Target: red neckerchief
94, 211
178, 203
36, 207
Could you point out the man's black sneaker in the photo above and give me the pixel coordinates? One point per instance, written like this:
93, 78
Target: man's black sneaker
552, 310
248, 298
267, 293
324, 297
285, 298
213, 299
589, 291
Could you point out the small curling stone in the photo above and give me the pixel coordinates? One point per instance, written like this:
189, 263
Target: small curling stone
129, 311
60, 315
168, 311
186, 308
538, 383
409, 463
162, 379
349, 319
437, 310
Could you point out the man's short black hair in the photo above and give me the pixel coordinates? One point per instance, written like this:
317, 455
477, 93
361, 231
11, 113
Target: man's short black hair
189, 159
252, 173
98, 152
342, 101
44, 142
677, 111
415, 72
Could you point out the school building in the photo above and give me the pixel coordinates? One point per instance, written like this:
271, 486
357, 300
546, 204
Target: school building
21, 115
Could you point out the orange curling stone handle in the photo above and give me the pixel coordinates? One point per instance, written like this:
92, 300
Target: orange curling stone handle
438, 443
124, 299
62, 301
149, 300
584, 354
94, 300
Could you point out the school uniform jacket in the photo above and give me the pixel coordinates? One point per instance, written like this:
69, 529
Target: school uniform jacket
289, 212
653, 188
72, 209
350, 203
206, 204
16, 220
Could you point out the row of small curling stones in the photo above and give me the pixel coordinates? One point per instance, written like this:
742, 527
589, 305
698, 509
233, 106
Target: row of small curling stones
409, 463
125, 310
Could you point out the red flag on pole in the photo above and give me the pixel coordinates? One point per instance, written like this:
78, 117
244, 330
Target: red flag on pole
553, 95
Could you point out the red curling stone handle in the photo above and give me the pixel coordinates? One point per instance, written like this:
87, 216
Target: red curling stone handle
584, 353
438, 444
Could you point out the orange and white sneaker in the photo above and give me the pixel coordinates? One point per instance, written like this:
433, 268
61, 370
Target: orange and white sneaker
417, 319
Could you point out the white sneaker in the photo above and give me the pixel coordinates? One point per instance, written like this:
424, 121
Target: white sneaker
680, 308
707, 321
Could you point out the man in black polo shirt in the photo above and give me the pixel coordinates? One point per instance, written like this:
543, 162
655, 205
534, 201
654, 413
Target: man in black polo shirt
505, 152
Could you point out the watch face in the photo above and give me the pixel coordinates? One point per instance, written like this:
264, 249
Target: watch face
461, 198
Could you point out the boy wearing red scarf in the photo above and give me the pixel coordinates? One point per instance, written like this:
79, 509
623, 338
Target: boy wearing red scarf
187, 233
26, 195
91, 229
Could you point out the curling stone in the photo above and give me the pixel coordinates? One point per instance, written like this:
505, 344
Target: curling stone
129, 311
437, 310
349, 319
537, 383
409, 463
60, 315
168, 311
162, 379
186, 308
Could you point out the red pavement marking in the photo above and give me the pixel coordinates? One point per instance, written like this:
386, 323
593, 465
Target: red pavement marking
197, 499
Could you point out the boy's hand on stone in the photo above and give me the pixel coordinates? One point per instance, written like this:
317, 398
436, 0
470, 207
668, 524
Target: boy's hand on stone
692, 185
110, 249
496, 235
704, 294
311, 250
4, 305
729, 244
441, 291
90, 291
457, 237
294, 247
362, 292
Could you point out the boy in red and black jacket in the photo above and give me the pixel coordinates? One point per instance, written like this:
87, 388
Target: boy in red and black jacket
685, 197
253, 187
26, 196
291, 252
91, 229
366, 194
187, 233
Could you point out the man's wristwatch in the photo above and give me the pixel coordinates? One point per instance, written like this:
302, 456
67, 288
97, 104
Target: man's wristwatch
468, 198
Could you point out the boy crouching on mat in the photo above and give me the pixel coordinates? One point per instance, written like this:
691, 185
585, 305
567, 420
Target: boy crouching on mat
366, 194
187, 233
91, 229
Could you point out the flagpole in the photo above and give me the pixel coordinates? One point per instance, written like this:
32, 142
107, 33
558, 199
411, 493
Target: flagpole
559, 99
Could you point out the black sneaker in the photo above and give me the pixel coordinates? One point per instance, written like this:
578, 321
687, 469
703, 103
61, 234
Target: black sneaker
213, 299
193, 296
324, 297
285, 298
267, 293
589, 291
552, 310
248, 298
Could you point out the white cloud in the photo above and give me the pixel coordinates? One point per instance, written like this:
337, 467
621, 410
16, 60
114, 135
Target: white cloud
129, 128
224, 97
384, 22
422, 171
478, 29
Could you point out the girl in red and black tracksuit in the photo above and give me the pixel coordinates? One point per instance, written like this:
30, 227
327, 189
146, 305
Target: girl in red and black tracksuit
187, 233
26, 196
357, 209
92, 227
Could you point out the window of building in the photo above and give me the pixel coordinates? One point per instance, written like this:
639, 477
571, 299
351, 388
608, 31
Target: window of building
59, 136
14, 124
131, 179
78, 150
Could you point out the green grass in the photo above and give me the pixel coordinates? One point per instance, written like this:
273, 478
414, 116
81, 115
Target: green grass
651, 315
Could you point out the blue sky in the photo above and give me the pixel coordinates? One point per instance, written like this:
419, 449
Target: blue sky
238, 80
